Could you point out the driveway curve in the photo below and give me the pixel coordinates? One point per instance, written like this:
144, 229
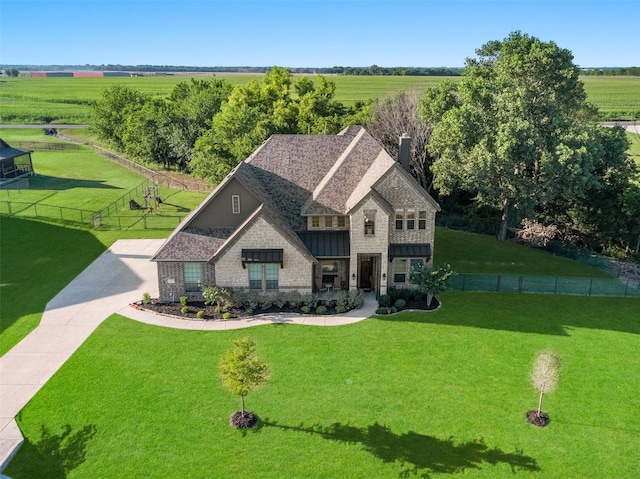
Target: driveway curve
117, 278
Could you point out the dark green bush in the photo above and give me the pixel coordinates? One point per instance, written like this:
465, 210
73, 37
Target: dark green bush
321, 309
384, 301
400, 304
306, 309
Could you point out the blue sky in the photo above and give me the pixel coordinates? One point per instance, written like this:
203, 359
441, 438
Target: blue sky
308, 33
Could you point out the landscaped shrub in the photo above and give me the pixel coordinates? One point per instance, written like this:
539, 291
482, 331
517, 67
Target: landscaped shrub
305, 309
355, 299
321, 309
341, 309
183, 300
185, 309
249, 311
146, 298
226, 316
295, 299
400, 304
200, 314
342, 300
307, 300
220, 297
384, 301
281, 300
265, 302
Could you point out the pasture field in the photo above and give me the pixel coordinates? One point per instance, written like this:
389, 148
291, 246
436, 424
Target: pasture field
436, 394
69, 100
38, 259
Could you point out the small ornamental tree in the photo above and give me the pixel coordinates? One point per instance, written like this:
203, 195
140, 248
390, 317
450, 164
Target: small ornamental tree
544, 378
241, 371
216, 296
430, 281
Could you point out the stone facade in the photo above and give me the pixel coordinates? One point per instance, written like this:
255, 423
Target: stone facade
297, 271
375, 245
401, 194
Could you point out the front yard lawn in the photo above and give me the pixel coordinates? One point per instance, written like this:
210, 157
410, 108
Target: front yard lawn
414, 394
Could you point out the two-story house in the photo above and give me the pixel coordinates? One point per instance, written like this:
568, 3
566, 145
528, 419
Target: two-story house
307, 213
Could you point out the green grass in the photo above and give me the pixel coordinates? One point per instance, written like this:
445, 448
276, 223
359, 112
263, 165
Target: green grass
476, 253
69, 100
38, 258
617, 98
634, 150
424, 394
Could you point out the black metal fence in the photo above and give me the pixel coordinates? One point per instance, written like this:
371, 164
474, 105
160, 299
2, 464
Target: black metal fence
621, 287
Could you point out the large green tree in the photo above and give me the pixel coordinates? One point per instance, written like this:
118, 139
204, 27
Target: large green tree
519, 131
261, 108
112, 112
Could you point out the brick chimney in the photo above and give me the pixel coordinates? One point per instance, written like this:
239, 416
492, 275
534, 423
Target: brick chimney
404, 151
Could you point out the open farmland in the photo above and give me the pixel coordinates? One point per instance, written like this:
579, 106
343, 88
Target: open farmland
69, 100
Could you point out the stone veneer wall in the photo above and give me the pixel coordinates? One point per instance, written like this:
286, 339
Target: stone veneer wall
171, 280
396, 190
297, 273
377, 244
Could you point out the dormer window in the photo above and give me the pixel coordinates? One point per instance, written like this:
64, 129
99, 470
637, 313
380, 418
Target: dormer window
235, 204
328, 221
342, 221
315, 222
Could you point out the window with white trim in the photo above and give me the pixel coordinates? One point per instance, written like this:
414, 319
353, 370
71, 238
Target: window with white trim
315, 222
263, 276
192, 277
342, 221
399, 270
411, 219
235, 204
422, 220
399, 219
328, 221
370, 222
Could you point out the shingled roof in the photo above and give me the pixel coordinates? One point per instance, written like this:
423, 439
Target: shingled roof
292, 176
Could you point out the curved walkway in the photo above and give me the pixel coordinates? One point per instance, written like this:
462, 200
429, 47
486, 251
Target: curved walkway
109, 285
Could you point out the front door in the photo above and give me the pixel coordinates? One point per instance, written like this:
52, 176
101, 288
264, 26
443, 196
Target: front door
366, 273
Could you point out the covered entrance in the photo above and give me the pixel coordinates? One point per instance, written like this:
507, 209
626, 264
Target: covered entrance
369, 272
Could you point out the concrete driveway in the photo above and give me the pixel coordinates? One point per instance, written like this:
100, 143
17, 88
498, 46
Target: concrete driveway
109, 285
118, 277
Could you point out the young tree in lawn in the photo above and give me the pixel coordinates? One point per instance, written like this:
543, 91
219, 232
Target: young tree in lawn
519, 134
430, 281
544, 378
242, 371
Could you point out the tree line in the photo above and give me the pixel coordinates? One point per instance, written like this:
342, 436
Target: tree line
514, 139
622, 71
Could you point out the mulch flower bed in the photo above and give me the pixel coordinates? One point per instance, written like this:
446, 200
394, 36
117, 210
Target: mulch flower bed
175, 309
540, 420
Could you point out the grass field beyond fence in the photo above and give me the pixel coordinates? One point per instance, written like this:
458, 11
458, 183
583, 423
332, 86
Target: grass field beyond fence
69, 100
